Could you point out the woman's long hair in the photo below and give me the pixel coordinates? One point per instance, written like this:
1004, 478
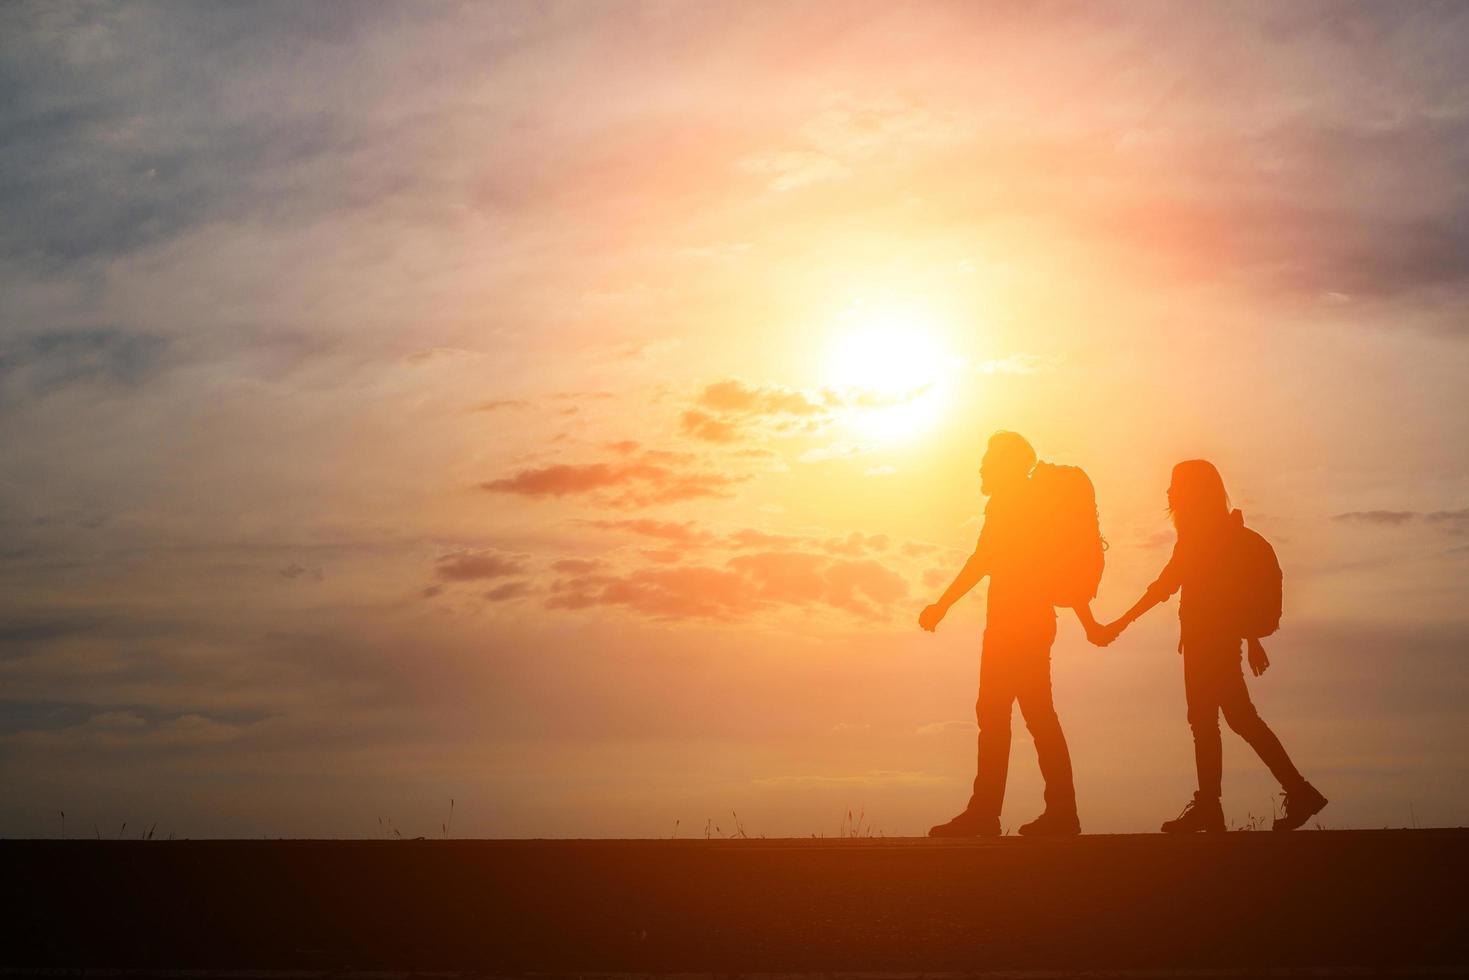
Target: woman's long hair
1197, 501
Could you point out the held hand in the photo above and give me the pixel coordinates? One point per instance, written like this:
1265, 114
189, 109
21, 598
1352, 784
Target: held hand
931, 616
1105, 634
1259, 663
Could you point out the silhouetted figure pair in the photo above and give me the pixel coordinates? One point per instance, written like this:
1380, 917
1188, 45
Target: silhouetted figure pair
1040, 552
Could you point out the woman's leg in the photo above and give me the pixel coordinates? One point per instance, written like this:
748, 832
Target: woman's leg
1199, 688
1240, 714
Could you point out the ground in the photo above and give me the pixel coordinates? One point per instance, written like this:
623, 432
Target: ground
1319, 903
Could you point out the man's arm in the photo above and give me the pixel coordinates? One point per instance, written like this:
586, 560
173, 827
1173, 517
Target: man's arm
976, 568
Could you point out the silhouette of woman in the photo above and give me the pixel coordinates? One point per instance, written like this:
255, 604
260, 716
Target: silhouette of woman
1205, 566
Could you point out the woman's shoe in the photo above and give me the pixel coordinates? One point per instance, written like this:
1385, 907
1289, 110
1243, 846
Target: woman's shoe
968, 824
1050, 824
1201, 814
1300, 805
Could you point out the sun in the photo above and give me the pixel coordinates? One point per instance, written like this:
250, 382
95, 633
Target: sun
889, 372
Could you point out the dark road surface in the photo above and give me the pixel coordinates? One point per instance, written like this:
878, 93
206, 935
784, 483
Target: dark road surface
1309, 903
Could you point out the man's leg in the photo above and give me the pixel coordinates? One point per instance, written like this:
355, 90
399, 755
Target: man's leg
1037, 706
992, 710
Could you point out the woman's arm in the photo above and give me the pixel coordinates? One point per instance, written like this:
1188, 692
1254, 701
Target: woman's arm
1094, 629
1167, 583
1148, 600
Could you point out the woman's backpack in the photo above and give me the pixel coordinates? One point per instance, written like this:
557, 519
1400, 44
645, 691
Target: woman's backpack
1068, 539
1255, 584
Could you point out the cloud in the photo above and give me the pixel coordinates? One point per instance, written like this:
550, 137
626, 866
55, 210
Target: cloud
500, 404
725, 410
510, 590
1017, 364
744, 586
754, 538
739, 398
640, 484
847, 133
672, 593
702, 425
467, 566
856, 543
426, 355
127, 731
1451, 521
871, 777
684, 533
1386, 517
47, 362
578, 566
792, 169
296, 570
863, 587
837, 450
945, 727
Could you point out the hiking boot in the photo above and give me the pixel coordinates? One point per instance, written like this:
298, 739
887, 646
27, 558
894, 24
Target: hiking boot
1301, 804
1201, 813
1051, 824
967, 824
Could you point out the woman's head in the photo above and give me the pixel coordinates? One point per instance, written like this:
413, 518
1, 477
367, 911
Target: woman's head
1196, 496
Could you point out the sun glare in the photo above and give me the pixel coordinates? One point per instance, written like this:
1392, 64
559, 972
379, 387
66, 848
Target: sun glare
890, 372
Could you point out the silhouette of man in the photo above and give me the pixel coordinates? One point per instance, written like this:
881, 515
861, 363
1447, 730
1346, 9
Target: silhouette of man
1015, 661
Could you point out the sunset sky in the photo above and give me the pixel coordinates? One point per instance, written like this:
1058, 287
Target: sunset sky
566, 409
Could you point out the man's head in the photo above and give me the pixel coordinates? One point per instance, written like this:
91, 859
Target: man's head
1007, 461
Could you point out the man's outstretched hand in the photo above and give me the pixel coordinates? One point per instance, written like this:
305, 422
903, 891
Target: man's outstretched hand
930, 617
1104, 634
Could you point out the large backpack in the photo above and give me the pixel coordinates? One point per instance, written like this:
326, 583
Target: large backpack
1068, 538
1255, 585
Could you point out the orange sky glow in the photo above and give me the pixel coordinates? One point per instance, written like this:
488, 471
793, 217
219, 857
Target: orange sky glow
568, 410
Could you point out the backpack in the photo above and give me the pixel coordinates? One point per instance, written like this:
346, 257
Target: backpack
1255, 587
1068, 538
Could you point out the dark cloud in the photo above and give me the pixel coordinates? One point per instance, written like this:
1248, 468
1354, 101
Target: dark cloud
465, 566
46, 362
510, 590
295, 570
127, 144
1451, 521
500, 404
634, 484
